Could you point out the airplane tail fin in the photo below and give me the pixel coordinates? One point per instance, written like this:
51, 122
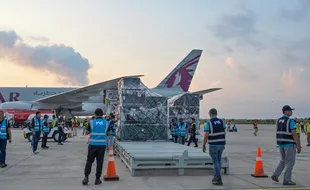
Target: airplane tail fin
180, 78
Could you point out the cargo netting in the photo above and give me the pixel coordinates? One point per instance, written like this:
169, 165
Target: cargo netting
184, 106
142, 114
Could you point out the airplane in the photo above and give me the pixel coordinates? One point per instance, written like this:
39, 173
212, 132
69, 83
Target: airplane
83, 101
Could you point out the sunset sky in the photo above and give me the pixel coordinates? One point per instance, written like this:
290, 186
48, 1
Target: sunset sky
256, 50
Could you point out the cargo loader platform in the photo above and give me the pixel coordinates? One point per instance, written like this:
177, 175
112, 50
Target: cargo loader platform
164, 155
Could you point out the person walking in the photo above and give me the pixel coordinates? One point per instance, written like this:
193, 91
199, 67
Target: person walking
46, 131
192, 132
255, 127
60, 130
287, 141
75, 126
298, 130
85, 125
98, 130
112, 129
36, 131
216, 137
5, 135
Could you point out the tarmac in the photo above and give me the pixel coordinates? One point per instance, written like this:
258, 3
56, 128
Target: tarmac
62, 167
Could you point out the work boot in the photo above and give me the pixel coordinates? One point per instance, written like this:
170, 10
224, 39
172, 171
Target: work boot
85, 180
3, 165
98, 181
288, 183
274, 178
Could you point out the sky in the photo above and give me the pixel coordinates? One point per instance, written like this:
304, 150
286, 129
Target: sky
256, 50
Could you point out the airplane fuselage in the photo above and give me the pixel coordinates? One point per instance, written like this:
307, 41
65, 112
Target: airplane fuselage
28, 94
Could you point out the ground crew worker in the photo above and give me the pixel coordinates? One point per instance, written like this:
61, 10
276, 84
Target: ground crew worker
182, 130
60, 130
55, 122
215, 135
46, 131
302, 126
298, 130
287, 140
5, 135
75, 126
112, 129
192, 132
255, 127
98, 130
228, 126
85, 125
36, 131
308, 132
174, 131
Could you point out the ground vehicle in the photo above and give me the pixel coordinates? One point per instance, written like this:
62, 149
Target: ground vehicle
52, 135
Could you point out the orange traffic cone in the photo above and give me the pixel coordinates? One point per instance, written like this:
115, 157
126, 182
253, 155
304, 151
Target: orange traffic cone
111, 171
259, 167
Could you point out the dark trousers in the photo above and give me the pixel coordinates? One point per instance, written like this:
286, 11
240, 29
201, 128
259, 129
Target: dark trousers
60, 131
44, 139
98, 153
182, 140
175, 139
192, 138
3, 143
35, 140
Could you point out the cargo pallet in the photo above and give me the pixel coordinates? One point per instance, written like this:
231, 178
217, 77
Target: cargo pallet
164, 155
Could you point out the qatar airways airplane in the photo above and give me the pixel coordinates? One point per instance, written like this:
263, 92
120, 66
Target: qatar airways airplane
83, 101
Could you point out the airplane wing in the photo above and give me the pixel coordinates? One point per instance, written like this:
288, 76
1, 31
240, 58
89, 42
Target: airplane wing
79, 95
202, 92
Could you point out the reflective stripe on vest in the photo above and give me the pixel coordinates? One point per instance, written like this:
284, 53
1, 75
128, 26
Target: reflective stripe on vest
37, 124
284, 134
182, 129
3, 129
45, 128
98, 135
217, 133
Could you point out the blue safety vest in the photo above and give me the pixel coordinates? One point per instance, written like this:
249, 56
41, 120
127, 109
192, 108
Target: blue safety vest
46, 129
98, 134
174, 131
216, 132
284, 133
37, 126
182, 129
3, 129
112, 133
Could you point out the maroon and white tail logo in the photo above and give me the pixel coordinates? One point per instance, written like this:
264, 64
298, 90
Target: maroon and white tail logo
184, 75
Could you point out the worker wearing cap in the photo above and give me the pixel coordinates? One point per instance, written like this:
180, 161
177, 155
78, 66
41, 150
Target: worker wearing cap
46, 131
98, 130
36, 131
287, 141
215, 135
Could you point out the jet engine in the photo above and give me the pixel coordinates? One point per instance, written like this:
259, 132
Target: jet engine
16, 105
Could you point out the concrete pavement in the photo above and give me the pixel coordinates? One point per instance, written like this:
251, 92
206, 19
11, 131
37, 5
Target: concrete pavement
61, 167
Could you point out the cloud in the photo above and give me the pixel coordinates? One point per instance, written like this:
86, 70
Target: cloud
238, 27
300, 13
245, 73
60, 60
